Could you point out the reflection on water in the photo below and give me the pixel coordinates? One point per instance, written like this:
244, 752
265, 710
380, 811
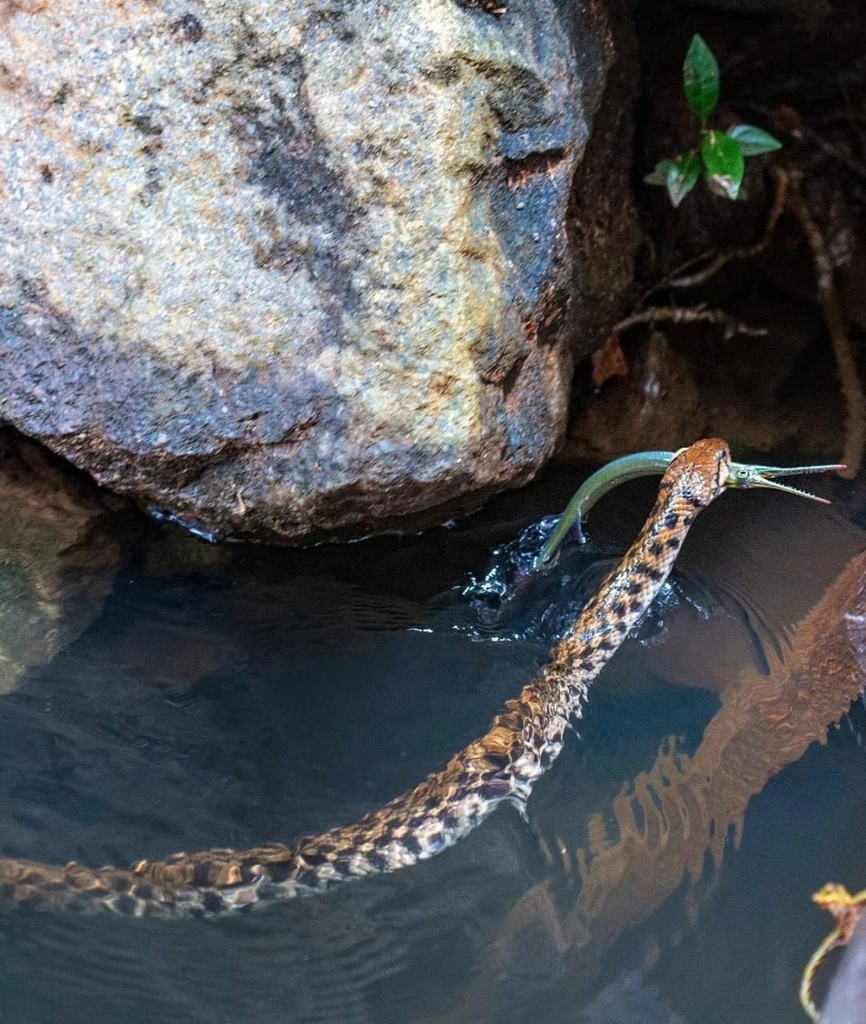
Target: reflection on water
228, 697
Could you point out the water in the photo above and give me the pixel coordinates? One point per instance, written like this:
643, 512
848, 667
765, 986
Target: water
233, 696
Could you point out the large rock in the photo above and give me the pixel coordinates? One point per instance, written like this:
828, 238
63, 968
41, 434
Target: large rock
295, 270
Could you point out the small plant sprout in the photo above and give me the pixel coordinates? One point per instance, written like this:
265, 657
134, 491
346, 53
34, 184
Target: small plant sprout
720, 155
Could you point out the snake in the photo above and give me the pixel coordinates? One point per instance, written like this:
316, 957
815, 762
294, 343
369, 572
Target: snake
502, 766
638, 464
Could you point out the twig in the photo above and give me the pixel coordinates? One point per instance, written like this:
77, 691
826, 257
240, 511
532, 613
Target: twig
685, 315
848, 162
737, 252
800, 131
837, 328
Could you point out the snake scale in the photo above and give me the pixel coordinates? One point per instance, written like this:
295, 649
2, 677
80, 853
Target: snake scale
522, 741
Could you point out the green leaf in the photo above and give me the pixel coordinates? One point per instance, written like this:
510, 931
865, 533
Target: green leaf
683, 177
724, 163
660, 175
754, 140
701, 79
679, 176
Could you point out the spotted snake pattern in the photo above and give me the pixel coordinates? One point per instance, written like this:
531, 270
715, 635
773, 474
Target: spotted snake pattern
523, 740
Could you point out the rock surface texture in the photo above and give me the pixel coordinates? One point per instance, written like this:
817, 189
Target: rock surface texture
294, 271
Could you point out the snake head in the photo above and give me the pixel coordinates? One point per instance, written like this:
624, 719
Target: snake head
743, 474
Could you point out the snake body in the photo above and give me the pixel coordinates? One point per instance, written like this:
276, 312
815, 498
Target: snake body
522, 741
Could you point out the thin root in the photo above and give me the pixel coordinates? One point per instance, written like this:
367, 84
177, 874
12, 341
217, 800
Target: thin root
837, 328
737, 252
847, 910
686, 315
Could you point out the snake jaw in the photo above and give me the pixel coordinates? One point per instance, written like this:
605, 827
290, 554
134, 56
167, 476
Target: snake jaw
745, 475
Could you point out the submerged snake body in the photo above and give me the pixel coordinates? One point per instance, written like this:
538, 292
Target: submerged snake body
521, 743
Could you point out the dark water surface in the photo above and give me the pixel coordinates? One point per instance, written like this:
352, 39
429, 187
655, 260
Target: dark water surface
233, 697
